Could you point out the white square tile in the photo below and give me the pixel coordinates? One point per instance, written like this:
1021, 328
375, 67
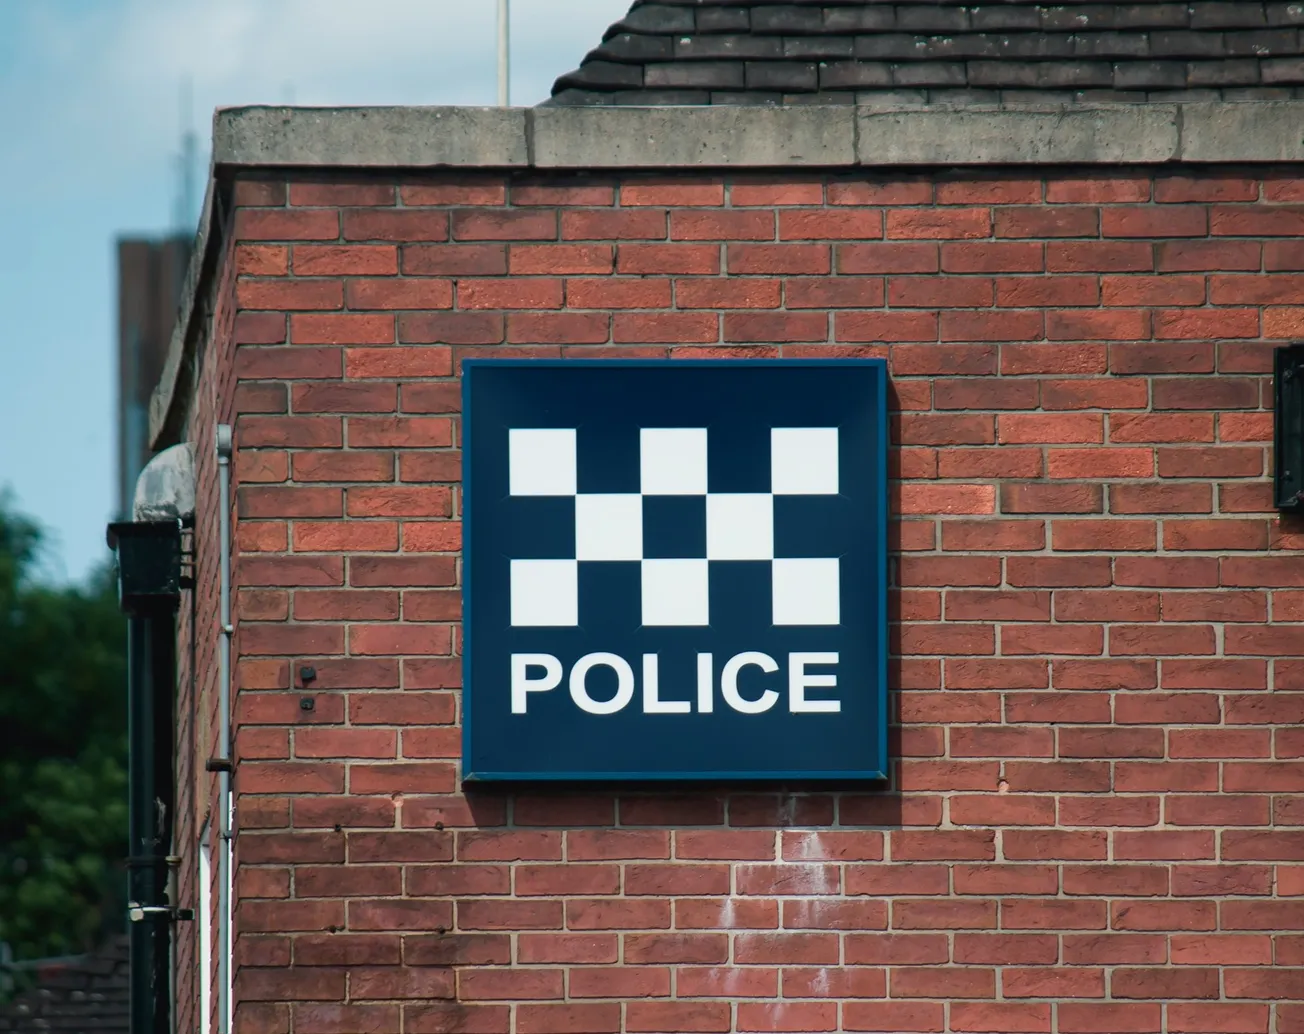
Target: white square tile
807, 592
541, 461
804, 460
673, 460
739, 526
545, 592
609, 527
676, 592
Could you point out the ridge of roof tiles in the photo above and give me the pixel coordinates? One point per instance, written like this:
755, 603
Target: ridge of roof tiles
941, 52
82, 995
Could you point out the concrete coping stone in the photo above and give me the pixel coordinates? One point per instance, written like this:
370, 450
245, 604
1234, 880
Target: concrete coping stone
828, 136
709, 137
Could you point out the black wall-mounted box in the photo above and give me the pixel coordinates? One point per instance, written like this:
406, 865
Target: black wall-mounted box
1288, 427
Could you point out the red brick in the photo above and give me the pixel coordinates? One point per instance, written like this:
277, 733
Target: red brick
1210, 323
1099, 256
729, 294
777, 193
666, 327
896, 1017
395, 225
1256, 220
347, 536
938, 223
342, 329
829, 224
1205, 188
1100, 463
1196, 256
1030, 291
932, 292
344, 398
1038, 845
1110, 1017
347, 605
289, 294
1098, 325
672, 191
453, 259
990, 191
672, 258
1107, 187
1187, 982
534, 293
475, 192
504, 226
1152, 290
399, 432
1094, 394
1154, 222
558, 327
1000, 1018
398, 362
430, 466
262, 398
399, 294
1117, 536
893, 192
1277, 255
1003, 536
617, 293
943, 982
1005, 673
831, 292
550, 194
997, 325
1037, 428
261, 260
998, 257
888, 258
597, 224
302, 432
1261, 290
688, 1017
885, 326
1047, 222
314, 224
342, 466
345, 260
1245, 427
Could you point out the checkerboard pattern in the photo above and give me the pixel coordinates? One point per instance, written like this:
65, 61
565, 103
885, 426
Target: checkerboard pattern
673, 463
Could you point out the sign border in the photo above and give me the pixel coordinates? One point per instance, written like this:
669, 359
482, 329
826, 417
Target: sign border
879, 632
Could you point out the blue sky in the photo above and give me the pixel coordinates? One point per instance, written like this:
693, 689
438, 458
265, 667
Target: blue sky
90, 127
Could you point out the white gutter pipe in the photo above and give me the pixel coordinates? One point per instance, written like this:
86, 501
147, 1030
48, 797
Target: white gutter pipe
225, 810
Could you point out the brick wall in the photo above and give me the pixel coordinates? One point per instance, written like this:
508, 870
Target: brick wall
214, 400
1095, 821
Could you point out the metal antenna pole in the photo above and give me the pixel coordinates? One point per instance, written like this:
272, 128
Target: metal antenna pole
504, 55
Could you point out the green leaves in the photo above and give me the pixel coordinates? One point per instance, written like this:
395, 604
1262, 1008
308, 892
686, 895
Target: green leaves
63, 747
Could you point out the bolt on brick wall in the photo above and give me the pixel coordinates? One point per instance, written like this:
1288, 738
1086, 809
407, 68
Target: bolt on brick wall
1095, 817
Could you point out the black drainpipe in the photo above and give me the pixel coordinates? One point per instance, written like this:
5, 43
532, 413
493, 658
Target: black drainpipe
149, 590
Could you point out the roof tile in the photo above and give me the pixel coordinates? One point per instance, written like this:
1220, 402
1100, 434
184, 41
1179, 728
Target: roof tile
884, 52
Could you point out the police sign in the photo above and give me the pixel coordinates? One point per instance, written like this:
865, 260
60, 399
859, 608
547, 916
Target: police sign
675, 570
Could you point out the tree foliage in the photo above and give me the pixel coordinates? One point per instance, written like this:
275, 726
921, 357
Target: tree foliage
63, 752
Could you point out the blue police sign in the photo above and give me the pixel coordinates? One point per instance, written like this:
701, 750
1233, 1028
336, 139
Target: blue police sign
675, 570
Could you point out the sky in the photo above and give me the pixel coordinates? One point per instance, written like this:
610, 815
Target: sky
90, 134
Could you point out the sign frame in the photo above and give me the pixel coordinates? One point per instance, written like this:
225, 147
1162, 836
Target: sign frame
877, 772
